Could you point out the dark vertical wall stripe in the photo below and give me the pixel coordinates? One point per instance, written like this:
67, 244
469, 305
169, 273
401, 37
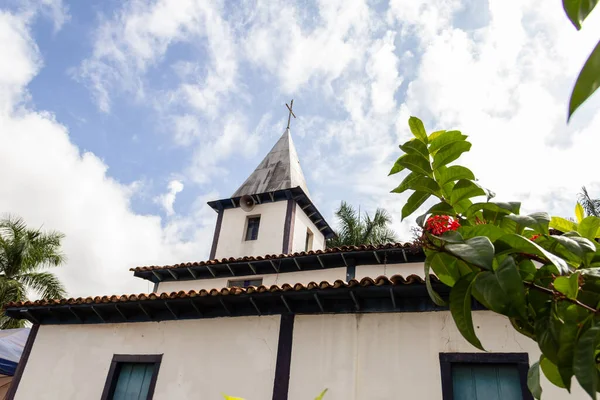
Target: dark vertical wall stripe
288, 227
350, 269
213, 249
10, 395
284, 358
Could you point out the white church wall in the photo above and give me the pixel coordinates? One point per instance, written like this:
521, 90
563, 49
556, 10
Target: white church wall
383, 356
202, 358
304, 277
404, 269
232, 241
301, 224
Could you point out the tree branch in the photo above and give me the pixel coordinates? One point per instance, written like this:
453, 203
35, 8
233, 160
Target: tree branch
563, 297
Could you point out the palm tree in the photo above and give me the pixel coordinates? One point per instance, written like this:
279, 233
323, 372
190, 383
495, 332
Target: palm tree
354, 230
591, 206
24, 255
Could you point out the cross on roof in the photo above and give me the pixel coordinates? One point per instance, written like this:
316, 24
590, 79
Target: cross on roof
291, 112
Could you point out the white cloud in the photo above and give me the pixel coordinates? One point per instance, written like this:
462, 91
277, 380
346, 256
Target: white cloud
166, 200
138, 36
49, 182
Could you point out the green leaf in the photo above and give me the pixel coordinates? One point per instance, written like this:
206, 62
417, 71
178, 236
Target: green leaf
578, 10
487, 290
415, 147
478, 251
414, 201
580, 247
460, 308
497, 207
417, 129
527, 270
450, 153
569, 286
563, 225
445, 139
584, 361
533, 380
446, 267
320, 397
425, 184
397, 166
513, 243
465, 189
493, 232
435, 297
512, 284
453, 173
551, 372
545, 332
588, 228
405, 184
537, 221
579, 212
567, 340
587, 81
435, 135
416, 164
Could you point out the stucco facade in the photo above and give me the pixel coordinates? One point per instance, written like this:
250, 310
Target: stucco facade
355, 356
232, 241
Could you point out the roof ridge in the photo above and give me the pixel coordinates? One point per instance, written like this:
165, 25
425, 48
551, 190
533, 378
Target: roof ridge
330, 250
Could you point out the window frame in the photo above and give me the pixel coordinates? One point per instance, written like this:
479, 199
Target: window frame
111, 381
521, 360
309, 240
247, 226
241, 279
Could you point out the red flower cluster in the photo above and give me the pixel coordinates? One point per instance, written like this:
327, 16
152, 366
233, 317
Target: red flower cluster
438, 224
534, 237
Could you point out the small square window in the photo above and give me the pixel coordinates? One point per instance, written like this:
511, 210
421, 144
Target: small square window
252, 228
244, 283
132, 377
308, 245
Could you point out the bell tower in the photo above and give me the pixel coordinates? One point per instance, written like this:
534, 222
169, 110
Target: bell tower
271, 212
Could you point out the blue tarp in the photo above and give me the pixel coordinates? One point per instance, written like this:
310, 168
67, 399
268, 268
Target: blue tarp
12, 342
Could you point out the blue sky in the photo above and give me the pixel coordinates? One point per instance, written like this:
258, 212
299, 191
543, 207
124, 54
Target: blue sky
120, 119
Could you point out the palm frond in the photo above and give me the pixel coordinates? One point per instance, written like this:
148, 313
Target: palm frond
46, 284
354, 230
591, 206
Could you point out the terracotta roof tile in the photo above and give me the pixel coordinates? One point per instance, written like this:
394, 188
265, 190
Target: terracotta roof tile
333, 250
394, 280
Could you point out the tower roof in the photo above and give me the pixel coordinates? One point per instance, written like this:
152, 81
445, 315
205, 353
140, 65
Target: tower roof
279, 170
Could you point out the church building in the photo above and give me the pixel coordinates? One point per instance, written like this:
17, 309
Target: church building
273, 315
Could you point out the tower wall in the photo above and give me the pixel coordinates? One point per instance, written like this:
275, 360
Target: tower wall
231, 241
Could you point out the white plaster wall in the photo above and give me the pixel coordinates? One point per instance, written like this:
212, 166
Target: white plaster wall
301, 223
392, 356
405, 269
202, 358
270, 233
303, 277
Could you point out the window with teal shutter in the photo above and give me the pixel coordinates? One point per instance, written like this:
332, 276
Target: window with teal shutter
132, 377
484, 376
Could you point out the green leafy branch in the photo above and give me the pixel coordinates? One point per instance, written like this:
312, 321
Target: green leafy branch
541, 272
589, 76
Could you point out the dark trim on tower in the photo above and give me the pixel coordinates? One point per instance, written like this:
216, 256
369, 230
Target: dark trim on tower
283, 365
213, 249
14, 385
288, 227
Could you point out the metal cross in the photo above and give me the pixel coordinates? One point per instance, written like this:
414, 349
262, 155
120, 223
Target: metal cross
291, 112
